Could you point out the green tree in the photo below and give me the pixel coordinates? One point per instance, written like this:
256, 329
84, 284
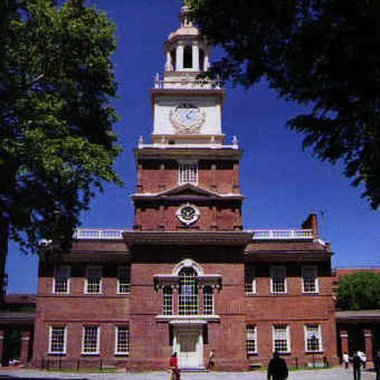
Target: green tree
56, 141
359, 290
324, 54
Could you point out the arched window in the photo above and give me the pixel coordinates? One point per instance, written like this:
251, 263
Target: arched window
201, 59
168, 300
188, 291
208, 300
188, 57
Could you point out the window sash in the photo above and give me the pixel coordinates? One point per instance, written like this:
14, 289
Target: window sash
250, 279
57, 340
167, 307
122, 340
310, 279
208, 301
278, 280
251, 340
93, 280
188, 173
188, 292
90, 343
61, 283
313, 338
123, 280
281, 338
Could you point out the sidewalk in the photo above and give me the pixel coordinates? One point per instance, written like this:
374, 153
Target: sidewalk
322, 374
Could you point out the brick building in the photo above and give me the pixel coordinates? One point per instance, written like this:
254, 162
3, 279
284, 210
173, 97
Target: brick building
187, 277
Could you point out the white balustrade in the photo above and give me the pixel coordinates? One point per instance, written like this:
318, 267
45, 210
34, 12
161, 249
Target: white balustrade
300, 234
94, 233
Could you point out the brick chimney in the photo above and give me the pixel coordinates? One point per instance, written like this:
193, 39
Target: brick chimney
311, 223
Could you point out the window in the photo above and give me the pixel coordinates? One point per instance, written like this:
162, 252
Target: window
123, 280
61, 280
90, 344
208, 300
188, 292
310, 279
122, 340
251, 340
313, 338
250, 279
168, 300
281, 338
93, 280
278, 279
57, 340
188, 173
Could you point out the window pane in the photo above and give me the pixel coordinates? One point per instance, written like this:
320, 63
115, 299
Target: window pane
250, 279
278, 278
309, 279
281, 338
90, 340
188, 292
168, 300
94, 276
188, 173
313, 338
208, 300
61, 279
57, 340
123, 275
122, 340
251, 339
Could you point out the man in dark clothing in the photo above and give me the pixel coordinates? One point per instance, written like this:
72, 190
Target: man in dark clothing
356, 365
377, 365
277, 369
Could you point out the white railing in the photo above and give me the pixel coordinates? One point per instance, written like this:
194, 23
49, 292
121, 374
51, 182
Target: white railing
117, 234
300, 234
187, 83
95, 233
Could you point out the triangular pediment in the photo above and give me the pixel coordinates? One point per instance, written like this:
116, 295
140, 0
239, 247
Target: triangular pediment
188, 190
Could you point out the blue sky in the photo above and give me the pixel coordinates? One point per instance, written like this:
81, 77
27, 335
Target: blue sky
282, 184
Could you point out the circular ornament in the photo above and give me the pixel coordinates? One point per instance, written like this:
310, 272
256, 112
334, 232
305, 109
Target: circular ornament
188, 214
187, 118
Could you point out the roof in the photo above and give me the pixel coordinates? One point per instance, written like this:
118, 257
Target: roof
357, 315
20, 299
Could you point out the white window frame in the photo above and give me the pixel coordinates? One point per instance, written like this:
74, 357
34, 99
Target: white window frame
288, 340
97, 352
316, 282
272, 273
117, 352
253, 329
319, 337
167, 304
50, 351
119, 269
68, 275
184, 166
250, 271
86, 284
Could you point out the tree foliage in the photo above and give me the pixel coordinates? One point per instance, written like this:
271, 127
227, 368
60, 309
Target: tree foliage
56, 141
359, 290
324, 54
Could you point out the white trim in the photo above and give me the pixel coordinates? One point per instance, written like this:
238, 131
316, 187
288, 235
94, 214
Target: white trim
181, 217
97, 340
316, 282
288, 340
320, 345
272, 269
116, 352
68, 268
51, 327
187, 263
100, 268
183, 167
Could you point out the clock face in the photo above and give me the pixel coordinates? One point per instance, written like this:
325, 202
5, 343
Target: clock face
188, 214
187, 118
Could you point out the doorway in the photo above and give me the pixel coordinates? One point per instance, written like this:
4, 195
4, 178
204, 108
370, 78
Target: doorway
188, 343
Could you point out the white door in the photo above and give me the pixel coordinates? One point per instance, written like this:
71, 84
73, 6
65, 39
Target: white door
189, 343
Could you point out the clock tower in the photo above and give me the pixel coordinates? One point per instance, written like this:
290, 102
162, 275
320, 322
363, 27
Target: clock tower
187, 237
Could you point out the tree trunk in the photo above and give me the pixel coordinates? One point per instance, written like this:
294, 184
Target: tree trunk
4, 233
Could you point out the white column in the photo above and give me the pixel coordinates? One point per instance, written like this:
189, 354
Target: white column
195, 63
168, 64
206, 63
179, 58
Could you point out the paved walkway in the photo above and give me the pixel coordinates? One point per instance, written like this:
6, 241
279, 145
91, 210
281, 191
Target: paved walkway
323, 374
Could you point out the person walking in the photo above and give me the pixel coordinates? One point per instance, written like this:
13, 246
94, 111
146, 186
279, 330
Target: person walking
277, 369
346, 360
175, 373
377, 365
211, 360
356, 365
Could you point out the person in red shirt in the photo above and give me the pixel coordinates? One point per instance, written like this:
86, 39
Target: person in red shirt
175, 372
